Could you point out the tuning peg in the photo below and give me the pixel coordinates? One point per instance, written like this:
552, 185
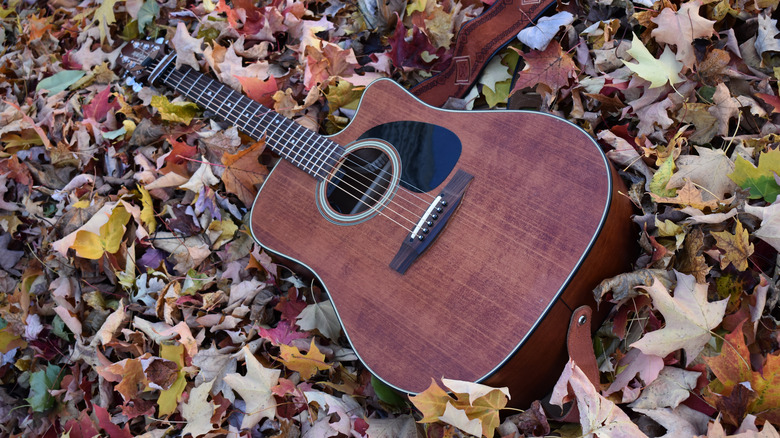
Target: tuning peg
130, 81
159, 40
137, 87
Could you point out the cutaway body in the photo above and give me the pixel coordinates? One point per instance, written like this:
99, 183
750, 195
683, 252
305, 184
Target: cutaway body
539, 225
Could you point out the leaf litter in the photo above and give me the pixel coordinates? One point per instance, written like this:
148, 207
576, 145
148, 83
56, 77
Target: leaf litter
133, 300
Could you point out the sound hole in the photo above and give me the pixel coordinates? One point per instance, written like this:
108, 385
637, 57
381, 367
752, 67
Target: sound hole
362, 181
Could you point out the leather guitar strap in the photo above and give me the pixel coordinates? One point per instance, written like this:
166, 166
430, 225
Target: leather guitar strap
580, 345
478, 40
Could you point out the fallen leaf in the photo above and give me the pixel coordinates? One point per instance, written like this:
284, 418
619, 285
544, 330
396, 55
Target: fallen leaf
307, 364
708, 170
243, 172
681, 28
552, 67
671, 388
657, 71
255, 389
539, 35
689, 318
759, 179
198, 411
737, 247
321, 317
186, 48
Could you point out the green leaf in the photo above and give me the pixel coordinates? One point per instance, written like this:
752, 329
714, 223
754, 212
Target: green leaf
182, 112
148, 12
387, 394
113, 135
59, 82
40, 384
760, 180
661, 179
58, 328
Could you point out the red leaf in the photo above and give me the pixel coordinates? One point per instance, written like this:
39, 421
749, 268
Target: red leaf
259, 90
98, 107
181, 151
552, 67
250, 22
83, 428
111, 429
771, 100
409, 54
283, 333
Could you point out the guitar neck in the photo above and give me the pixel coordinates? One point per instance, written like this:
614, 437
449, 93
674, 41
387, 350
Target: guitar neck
309, 151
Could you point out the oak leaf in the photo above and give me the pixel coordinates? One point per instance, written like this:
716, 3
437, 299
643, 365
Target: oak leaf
689, 318
243, 172
737, 247
657, 71
552, 67
759, 179
681, 28
307, 364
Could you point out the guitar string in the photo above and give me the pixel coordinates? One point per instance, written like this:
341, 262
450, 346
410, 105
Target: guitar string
315, 136
471, 219
192, 87
312, 165
359, 200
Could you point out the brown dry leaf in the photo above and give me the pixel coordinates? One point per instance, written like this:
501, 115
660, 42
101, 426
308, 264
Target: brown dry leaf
681, 28
689, 318
623, 286
690, 260
712, 70
737, 247
598, 416
552, 67
706, 124
186, 47
709, 170
243, 172
724, 108
688, 195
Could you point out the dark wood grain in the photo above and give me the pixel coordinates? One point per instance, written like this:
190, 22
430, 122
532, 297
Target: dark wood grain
490, 300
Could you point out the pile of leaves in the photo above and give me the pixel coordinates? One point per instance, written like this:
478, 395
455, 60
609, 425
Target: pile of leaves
133, 300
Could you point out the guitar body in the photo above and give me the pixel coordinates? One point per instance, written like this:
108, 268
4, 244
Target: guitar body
539, 225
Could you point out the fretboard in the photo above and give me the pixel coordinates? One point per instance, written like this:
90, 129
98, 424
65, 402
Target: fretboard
309, 151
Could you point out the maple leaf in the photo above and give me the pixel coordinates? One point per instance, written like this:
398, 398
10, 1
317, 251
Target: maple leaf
769, 99
186, 47
307, 364
243, 172
598, 416
759, 179
431, 403
260, 90
552, 67
104, 17
737, 247
322, 317
724, 108
671, 388
688, 195
182, 112
681, 28
732, 369
689, 318
410, 54
657, 71
92, 246
459, 418
255, 388
633, 363
198, 411
709, 170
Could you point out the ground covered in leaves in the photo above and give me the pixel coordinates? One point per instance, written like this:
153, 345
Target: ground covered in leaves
134, 302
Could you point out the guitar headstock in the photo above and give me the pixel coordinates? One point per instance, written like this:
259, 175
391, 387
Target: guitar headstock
139, 57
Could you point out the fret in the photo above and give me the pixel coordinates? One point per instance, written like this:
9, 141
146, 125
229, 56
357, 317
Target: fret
325, 161
200, 95
251, 117
224, 101
214, 95
178, 84
307, 149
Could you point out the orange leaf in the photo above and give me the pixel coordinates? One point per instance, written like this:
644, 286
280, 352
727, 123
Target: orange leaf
307, 364
259, 90
243, 172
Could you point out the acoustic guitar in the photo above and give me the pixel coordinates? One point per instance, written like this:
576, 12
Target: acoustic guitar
452, 244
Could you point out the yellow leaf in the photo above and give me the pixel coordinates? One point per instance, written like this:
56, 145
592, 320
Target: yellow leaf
9, 341
112, 231
104, 17
415, 5
432, 402
182, 112
169, 398
87, 245
307, 364
147, 210
737, 247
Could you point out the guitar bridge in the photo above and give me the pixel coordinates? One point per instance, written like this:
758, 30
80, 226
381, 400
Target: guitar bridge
432, 222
